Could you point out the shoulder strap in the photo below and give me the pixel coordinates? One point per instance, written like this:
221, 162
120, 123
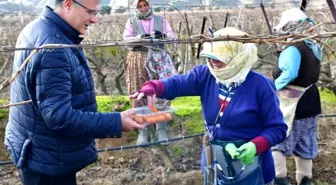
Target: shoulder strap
158, 22
137, 26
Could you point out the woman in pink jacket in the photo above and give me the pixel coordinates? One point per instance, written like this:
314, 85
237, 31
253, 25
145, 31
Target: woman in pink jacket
144, 63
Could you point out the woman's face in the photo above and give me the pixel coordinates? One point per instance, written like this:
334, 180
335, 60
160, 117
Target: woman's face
216, 64
143, 6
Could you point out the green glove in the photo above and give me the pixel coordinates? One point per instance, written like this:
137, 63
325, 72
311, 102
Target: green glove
232, 150
247, 153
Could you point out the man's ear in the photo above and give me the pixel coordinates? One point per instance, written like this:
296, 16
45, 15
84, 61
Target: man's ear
67, 4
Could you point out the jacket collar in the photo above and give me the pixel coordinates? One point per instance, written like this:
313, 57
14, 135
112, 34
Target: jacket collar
65, 27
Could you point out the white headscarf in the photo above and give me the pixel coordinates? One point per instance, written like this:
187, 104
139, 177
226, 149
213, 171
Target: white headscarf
296, 21
239, 57
293, 15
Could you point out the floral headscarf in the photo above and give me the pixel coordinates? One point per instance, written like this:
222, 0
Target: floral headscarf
293, 21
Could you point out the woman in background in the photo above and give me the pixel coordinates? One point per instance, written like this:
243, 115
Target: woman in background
144, 64
297, 70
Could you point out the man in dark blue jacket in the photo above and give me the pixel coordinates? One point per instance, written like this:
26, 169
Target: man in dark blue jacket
52, 138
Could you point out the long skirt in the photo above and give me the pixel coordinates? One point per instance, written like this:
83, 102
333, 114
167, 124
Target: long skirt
136, 74
302, 140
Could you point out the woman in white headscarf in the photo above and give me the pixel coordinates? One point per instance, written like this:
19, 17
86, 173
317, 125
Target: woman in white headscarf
240, 107
295, 74
144, 64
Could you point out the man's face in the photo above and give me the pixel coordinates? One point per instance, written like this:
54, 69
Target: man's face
82, 13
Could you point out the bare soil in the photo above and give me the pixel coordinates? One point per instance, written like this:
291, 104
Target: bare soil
147, 166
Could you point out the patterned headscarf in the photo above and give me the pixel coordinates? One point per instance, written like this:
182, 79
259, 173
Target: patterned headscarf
296, 21
293, 21
239, 57
146, 15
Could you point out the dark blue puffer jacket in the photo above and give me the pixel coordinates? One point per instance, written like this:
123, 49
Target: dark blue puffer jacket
54, 134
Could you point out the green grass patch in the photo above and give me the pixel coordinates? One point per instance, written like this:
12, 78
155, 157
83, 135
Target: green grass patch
188, 109
194, 124
189, 112
319, 182
187, 106
4, 101
177, 150
327, 96
107, 103
4, 112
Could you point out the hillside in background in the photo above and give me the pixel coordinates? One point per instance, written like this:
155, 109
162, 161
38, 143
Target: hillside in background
33, 6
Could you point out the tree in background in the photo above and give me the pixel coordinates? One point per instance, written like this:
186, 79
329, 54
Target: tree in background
170, 9
105, 10
157, 9
121, 9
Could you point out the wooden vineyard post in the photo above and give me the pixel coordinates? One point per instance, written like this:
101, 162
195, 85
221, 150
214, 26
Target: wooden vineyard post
266, 18
303, 5
226, 19
200, 44
332, 9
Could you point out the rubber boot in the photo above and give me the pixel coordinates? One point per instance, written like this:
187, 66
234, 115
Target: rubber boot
281, 181
142, 137
305, 181
161, 130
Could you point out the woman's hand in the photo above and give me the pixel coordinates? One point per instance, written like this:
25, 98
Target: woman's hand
158, 34
151, 99
247, 153
150, 89
232, 150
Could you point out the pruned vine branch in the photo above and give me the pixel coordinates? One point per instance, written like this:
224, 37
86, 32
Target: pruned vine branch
15, 104
198, 38
10, 80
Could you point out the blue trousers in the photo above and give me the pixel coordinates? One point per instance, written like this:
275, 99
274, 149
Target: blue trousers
32, 178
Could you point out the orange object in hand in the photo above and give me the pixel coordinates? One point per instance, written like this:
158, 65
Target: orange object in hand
154, 109
152, 118
168, 116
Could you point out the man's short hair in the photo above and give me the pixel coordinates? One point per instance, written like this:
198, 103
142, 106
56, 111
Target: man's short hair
58, 2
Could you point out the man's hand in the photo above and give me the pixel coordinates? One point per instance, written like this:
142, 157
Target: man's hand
248, 152
127, 123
